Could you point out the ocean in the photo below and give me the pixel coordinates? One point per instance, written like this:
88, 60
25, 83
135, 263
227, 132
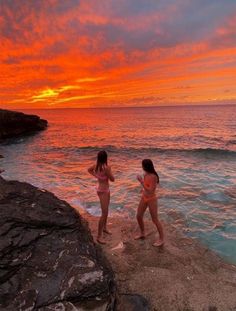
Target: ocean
193, 149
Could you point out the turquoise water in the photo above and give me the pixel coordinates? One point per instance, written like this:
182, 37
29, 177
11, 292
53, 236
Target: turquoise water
193, 149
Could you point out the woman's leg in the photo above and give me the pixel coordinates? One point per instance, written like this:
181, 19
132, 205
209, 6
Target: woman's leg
105, 225
153, 211
140, 212
104, 198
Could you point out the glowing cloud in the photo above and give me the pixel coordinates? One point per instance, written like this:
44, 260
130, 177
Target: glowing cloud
45, 94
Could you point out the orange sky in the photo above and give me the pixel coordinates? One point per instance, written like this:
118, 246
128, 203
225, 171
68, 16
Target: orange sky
87, 53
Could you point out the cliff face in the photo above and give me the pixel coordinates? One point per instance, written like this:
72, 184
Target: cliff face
13, 124
48, 258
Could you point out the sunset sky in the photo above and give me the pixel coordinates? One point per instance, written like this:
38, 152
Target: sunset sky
83, 53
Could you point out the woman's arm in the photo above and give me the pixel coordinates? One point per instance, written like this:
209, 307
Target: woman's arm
109, 173
91, 170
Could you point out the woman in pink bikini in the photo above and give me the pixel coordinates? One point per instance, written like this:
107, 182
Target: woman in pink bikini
149, 199
103, 173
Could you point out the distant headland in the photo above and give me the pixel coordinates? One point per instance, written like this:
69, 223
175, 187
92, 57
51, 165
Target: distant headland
15, 124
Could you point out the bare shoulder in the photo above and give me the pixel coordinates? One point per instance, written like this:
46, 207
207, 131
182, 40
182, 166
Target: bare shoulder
151, 178
109, 173
107, 168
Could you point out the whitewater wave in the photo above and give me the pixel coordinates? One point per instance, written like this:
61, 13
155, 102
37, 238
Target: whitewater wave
114, 149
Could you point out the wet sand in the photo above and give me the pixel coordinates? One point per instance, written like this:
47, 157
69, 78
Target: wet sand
181, 275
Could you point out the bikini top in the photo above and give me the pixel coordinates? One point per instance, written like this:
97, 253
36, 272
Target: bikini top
101, 176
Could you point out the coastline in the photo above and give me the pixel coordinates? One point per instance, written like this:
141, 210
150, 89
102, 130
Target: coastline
182, 275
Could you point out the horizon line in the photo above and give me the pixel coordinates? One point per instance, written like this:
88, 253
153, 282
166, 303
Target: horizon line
125, 107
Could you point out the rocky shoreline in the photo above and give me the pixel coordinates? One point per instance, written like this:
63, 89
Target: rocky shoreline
15, 124
48, 258
181, 276
49, 261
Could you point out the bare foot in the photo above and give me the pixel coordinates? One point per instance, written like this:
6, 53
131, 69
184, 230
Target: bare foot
140, 236
158, 243
101, 241
107, 231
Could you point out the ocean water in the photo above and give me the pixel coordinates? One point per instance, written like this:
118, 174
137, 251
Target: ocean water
193, 149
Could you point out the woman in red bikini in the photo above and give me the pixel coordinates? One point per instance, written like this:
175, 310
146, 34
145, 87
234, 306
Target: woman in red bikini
103, 173
149, 199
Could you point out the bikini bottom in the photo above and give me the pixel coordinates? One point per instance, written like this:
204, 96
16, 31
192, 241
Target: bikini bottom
147, 199
103, 190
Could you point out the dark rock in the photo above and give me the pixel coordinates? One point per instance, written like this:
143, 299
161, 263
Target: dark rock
133, 302
48, 260
14, 124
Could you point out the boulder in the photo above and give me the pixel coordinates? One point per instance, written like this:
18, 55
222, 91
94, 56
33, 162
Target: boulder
14, 124
48, 260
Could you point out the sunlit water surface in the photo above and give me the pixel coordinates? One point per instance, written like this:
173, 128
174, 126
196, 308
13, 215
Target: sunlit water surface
193, 149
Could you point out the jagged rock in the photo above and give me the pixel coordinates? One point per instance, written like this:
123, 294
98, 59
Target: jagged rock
47, 255
14, 124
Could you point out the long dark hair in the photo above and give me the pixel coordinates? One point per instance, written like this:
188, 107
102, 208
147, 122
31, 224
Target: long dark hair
101, 160
149, 168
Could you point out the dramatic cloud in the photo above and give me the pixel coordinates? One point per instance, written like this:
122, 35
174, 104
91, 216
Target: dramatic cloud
109, 53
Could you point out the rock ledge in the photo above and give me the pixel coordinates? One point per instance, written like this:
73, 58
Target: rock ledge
14, 124
48, 259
